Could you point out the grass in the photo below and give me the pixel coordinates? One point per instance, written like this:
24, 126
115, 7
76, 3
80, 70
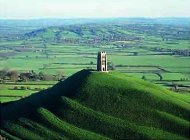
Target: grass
100, 106
70, 130
9, 93
173, 76
63, 57
148, 76
41, 130
109, 121
24, 134
158, 60
15, 92
175, 119
9, 136
71, 53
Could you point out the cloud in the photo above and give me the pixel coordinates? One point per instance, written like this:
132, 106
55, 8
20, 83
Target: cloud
92, 8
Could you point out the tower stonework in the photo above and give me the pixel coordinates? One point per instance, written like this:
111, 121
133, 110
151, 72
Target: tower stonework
102, 62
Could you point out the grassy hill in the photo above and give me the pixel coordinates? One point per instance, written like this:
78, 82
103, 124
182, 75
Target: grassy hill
94, 105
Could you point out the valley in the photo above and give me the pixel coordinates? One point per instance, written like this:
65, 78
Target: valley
154, 50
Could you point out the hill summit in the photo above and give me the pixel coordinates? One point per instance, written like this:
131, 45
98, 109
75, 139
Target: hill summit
96, 105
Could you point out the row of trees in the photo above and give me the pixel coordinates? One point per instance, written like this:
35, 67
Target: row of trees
15, 76
184, 52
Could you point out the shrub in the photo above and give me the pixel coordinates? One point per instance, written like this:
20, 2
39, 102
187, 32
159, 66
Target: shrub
15, 88
23, 88
37, 88
143, 77
91, 63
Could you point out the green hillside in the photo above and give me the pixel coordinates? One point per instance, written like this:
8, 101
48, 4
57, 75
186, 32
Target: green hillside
94, 105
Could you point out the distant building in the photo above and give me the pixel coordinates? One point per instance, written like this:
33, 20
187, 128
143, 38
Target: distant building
102, 62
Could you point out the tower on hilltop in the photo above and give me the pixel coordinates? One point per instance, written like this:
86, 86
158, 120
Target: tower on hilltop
102, 62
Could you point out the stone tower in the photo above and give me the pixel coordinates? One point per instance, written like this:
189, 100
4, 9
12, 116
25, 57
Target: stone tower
102, 62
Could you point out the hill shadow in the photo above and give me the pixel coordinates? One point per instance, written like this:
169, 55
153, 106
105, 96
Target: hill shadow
47, 98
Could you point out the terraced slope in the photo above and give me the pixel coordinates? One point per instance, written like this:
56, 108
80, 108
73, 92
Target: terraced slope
94, 105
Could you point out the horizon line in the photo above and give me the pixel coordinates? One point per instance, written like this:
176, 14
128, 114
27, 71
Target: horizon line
70, 18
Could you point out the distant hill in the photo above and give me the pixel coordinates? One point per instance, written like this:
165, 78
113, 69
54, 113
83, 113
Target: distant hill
95, 105
61, 21
18, 27
101, 31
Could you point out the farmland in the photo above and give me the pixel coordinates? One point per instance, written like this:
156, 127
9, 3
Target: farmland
154, 51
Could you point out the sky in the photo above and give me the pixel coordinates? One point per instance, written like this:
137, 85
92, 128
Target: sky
29, 9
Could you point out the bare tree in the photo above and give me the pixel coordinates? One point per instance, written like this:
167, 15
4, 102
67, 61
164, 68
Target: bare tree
14, 76
60, 75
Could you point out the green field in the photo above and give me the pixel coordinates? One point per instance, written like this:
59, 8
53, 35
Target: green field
138, 52
16, 91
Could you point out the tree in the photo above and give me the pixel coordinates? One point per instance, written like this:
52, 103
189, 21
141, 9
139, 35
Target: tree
60, 75
91, 63
24, 77
144, 77
160, 76
135, 53
14, 76
34, 76
111, 66
3, 74
41, 75
45, 77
